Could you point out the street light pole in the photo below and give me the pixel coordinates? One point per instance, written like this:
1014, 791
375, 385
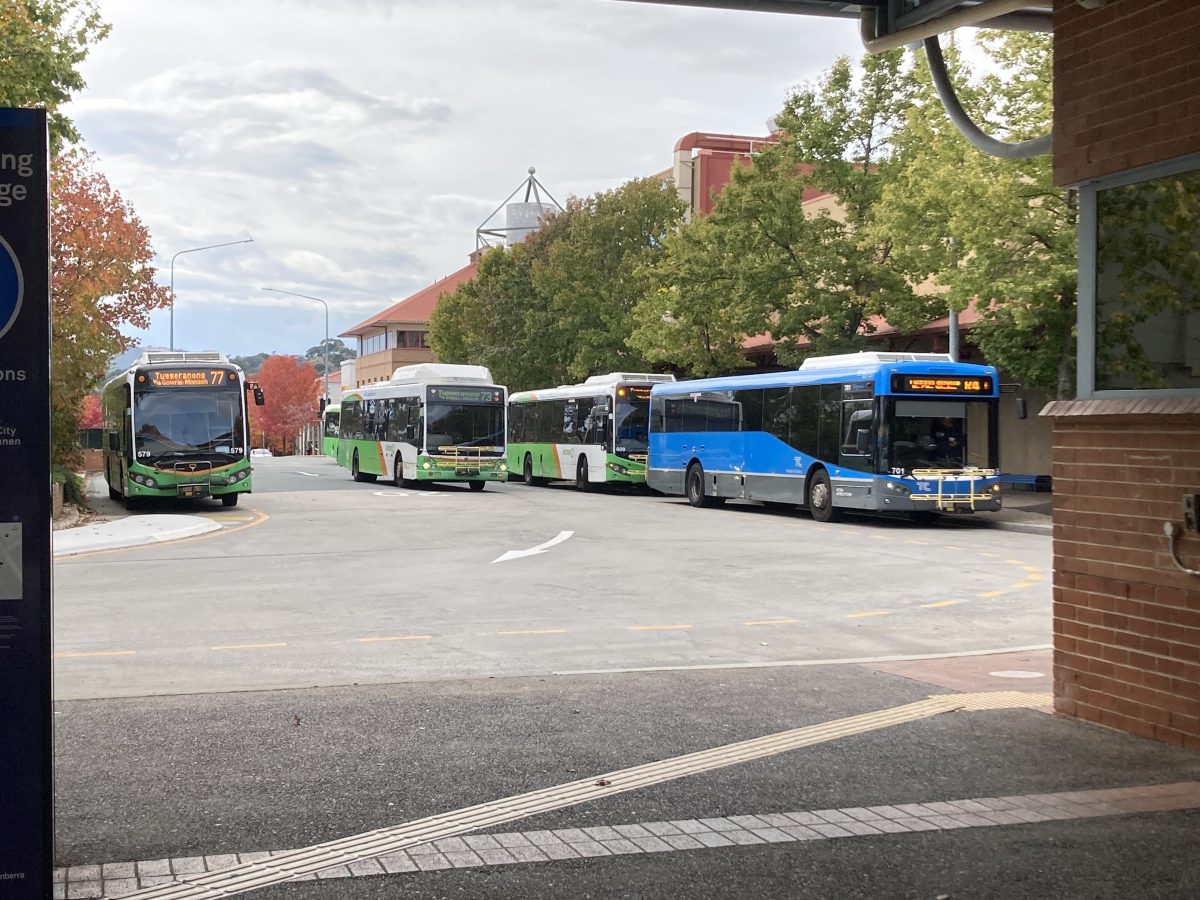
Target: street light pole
193, 250
326, 344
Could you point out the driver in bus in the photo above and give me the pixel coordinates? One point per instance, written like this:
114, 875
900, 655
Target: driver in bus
947, 437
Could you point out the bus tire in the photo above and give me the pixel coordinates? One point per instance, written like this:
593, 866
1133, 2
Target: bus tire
354, 470
527, 471
398, 478
820, 498
923, 516
113, 493
477, 485
229, 500
581, 476
693, 483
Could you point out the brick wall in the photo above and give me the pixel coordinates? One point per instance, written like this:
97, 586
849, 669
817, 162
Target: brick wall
1126, 620
1126, 85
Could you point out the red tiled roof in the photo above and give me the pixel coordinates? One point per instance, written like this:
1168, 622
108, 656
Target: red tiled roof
966, 318
415, 309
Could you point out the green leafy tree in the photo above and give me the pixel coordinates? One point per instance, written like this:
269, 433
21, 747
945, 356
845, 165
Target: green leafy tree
559, 306
250, 364
772, 257
42, 43
987, 230
338, 353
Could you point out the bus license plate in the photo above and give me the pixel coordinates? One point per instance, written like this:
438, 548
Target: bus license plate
192, 490
466, 471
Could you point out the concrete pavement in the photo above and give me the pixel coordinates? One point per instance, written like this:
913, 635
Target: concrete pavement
129, 531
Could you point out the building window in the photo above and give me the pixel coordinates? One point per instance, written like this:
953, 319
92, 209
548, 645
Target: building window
1139, 287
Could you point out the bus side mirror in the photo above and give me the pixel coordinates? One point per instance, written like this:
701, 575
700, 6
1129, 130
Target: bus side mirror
259, 399
114, 441
862, 440
1022, 412
321, 407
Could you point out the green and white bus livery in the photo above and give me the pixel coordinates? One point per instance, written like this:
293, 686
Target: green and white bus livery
175, 426
331, 417
428, 422
594, 433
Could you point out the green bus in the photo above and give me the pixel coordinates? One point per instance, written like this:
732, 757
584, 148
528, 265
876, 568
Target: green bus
594, 433
175, 426
428, 422
331, 417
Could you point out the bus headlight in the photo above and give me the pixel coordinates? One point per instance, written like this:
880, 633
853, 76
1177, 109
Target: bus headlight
150, 482
425, 465
897, 488
503, 467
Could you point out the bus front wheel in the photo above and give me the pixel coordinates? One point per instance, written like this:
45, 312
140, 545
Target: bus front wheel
477, 485
527, 471
820, 498
229, 500
356, 473
581, 475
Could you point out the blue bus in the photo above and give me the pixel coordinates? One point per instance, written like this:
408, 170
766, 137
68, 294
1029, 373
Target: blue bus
909, 432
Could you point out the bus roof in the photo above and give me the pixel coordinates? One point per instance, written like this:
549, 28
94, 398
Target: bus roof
595, 384
874, 367
442, 373
187, 357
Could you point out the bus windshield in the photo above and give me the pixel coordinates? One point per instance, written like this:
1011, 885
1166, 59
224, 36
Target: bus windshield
631, 419
332, 418
451, 425
938, 434
169, 423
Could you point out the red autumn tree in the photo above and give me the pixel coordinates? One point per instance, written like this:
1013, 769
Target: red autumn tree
291, 391
101, 279
90, 413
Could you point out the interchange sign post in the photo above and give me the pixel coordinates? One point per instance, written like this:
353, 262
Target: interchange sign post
26, 738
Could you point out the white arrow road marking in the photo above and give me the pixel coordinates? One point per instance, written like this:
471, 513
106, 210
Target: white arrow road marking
402, 494
534, 551
309, 474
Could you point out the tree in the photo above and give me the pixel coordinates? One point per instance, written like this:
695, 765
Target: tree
90, 413
42, 44
101, 279
291, 389
559, 306
250, 364
993, 231
338, 353
762, 262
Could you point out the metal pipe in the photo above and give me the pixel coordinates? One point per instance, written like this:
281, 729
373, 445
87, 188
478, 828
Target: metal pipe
193, 250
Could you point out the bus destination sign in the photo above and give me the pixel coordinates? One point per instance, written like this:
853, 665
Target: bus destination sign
634, 391
185, 378
465, 395
942, 384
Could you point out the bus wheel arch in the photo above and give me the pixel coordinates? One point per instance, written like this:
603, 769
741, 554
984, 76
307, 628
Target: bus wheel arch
693, 486
582, 481
819, 493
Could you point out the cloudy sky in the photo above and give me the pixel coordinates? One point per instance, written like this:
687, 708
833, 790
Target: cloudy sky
361, 148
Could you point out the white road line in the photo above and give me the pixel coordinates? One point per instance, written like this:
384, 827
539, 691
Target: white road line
309, 474
533, 551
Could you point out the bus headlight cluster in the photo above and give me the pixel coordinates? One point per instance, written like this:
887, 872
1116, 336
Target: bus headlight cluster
146, 480
618, 468
897, 488
426, 465
503, 467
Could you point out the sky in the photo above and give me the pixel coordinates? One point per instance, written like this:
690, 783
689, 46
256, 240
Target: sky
361, 148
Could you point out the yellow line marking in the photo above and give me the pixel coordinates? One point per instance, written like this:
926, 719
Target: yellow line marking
992, 594
224, 883
941, 603
658, 627
989, 555
245, 646
867, 615
95, 653
774, 622
922, 543
881, 537
536, 631
398, 637
951, 547
1021, 585
1017, 562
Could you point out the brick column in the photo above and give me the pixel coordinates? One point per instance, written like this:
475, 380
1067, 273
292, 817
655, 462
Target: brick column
1126, 620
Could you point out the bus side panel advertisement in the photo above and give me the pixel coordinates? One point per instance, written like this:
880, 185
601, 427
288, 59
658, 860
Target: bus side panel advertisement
26, 771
